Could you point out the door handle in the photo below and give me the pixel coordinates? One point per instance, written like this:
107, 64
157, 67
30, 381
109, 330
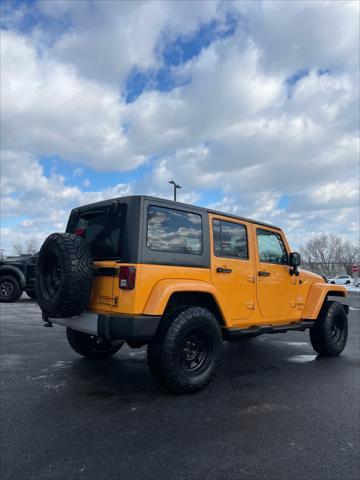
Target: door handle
262, 273
223, 270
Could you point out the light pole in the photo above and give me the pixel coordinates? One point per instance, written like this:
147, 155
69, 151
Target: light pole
176, 186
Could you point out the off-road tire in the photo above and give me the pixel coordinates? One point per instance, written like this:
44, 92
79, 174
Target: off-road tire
63, 275
10, 289
165, 354
31, 294
89, 346
154, 348
329, 334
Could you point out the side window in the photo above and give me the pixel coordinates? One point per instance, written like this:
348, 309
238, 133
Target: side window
271, 247
230, 240
171, 230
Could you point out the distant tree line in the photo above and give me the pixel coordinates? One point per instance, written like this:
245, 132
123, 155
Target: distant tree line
328, 253
29, 247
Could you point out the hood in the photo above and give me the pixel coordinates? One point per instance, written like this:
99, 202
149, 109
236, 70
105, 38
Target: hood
16, 258
313, 277
19, 260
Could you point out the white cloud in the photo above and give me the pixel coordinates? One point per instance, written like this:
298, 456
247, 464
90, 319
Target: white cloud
58, 112
110, 38
306, 34
44, 202
235, 125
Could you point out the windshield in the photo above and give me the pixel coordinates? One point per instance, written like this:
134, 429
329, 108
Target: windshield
102, 230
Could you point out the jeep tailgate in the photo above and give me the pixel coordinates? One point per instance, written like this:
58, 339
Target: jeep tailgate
102, 229
102, 295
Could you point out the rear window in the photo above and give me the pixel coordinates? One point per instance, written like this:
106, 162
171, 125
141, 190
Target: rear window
102, 230
171, 230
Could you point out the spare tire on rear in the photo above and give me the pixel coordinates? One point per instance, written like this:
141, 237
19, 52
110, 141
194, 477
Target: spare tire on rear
64, 274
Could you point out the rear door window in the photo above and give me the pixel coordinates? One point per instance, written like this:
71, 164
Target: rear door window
230, 240
102, 230
171, 230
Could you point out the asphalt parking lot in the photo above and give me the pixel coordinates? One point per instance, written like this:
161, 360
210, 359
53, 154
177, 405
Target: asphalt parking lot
274, 411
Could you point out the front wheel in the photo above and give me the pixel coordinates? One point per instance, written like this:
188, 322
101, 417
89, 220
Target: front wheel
329, 334
90, 346
10, 289
186, 353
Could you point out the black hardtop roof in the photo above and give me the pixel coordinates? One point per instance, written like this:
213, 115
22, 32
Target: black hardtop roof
170, 204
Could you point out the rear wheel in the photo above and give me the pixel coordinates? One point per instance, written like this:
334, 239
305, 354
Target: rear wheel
329, 334
91, 346
10, 289
186, 353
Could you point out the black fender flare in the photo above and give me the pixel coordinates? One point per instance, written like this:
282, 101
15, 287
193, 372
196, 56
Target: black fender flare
11, 269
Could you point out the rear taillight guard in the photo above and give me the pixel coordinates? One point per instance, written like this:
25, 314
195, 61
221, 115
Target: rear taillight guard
127, 276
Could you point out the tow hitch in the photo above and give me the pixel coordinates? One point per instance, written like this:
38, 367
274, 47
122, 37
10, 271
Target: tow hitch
46, 321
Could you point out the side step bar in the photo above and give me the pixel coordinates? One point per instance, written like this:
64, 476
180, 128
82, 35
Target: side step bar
258, 330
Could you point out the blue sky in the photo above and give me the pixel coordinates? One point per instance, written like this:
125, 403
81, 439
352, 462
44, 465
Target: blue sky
175, 52
232, 99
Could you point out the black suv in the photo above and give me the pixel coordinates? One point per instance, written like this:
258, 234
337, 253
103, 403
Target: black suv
16, 276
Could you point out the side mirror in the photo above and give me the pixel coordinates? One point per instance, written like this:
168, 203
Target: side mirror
295, 261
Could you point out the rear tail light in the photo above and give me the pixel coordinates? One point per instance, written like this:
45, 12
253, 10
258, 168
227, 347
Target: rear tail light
127, 277
80, 232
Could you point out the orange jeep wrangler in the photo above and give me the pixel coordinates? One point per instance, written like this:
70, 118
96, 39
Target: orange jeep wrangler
180, 279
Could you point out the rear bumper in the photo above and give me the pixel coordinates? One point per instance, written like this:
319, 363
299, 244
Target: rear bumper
134, 328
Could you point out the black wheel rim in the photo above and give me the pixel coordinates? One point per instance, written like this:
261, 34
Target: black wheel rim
6, 289
52, 274
194, 350
336, 331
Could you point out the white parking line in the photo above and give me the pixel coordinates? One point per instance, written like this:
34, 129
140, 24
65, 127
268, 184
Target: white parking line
353, 308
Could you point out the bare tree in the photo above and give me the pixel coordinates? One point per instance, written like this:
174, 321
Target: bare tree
29, 247
18, 248
326, 253
350, 255
323, 252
